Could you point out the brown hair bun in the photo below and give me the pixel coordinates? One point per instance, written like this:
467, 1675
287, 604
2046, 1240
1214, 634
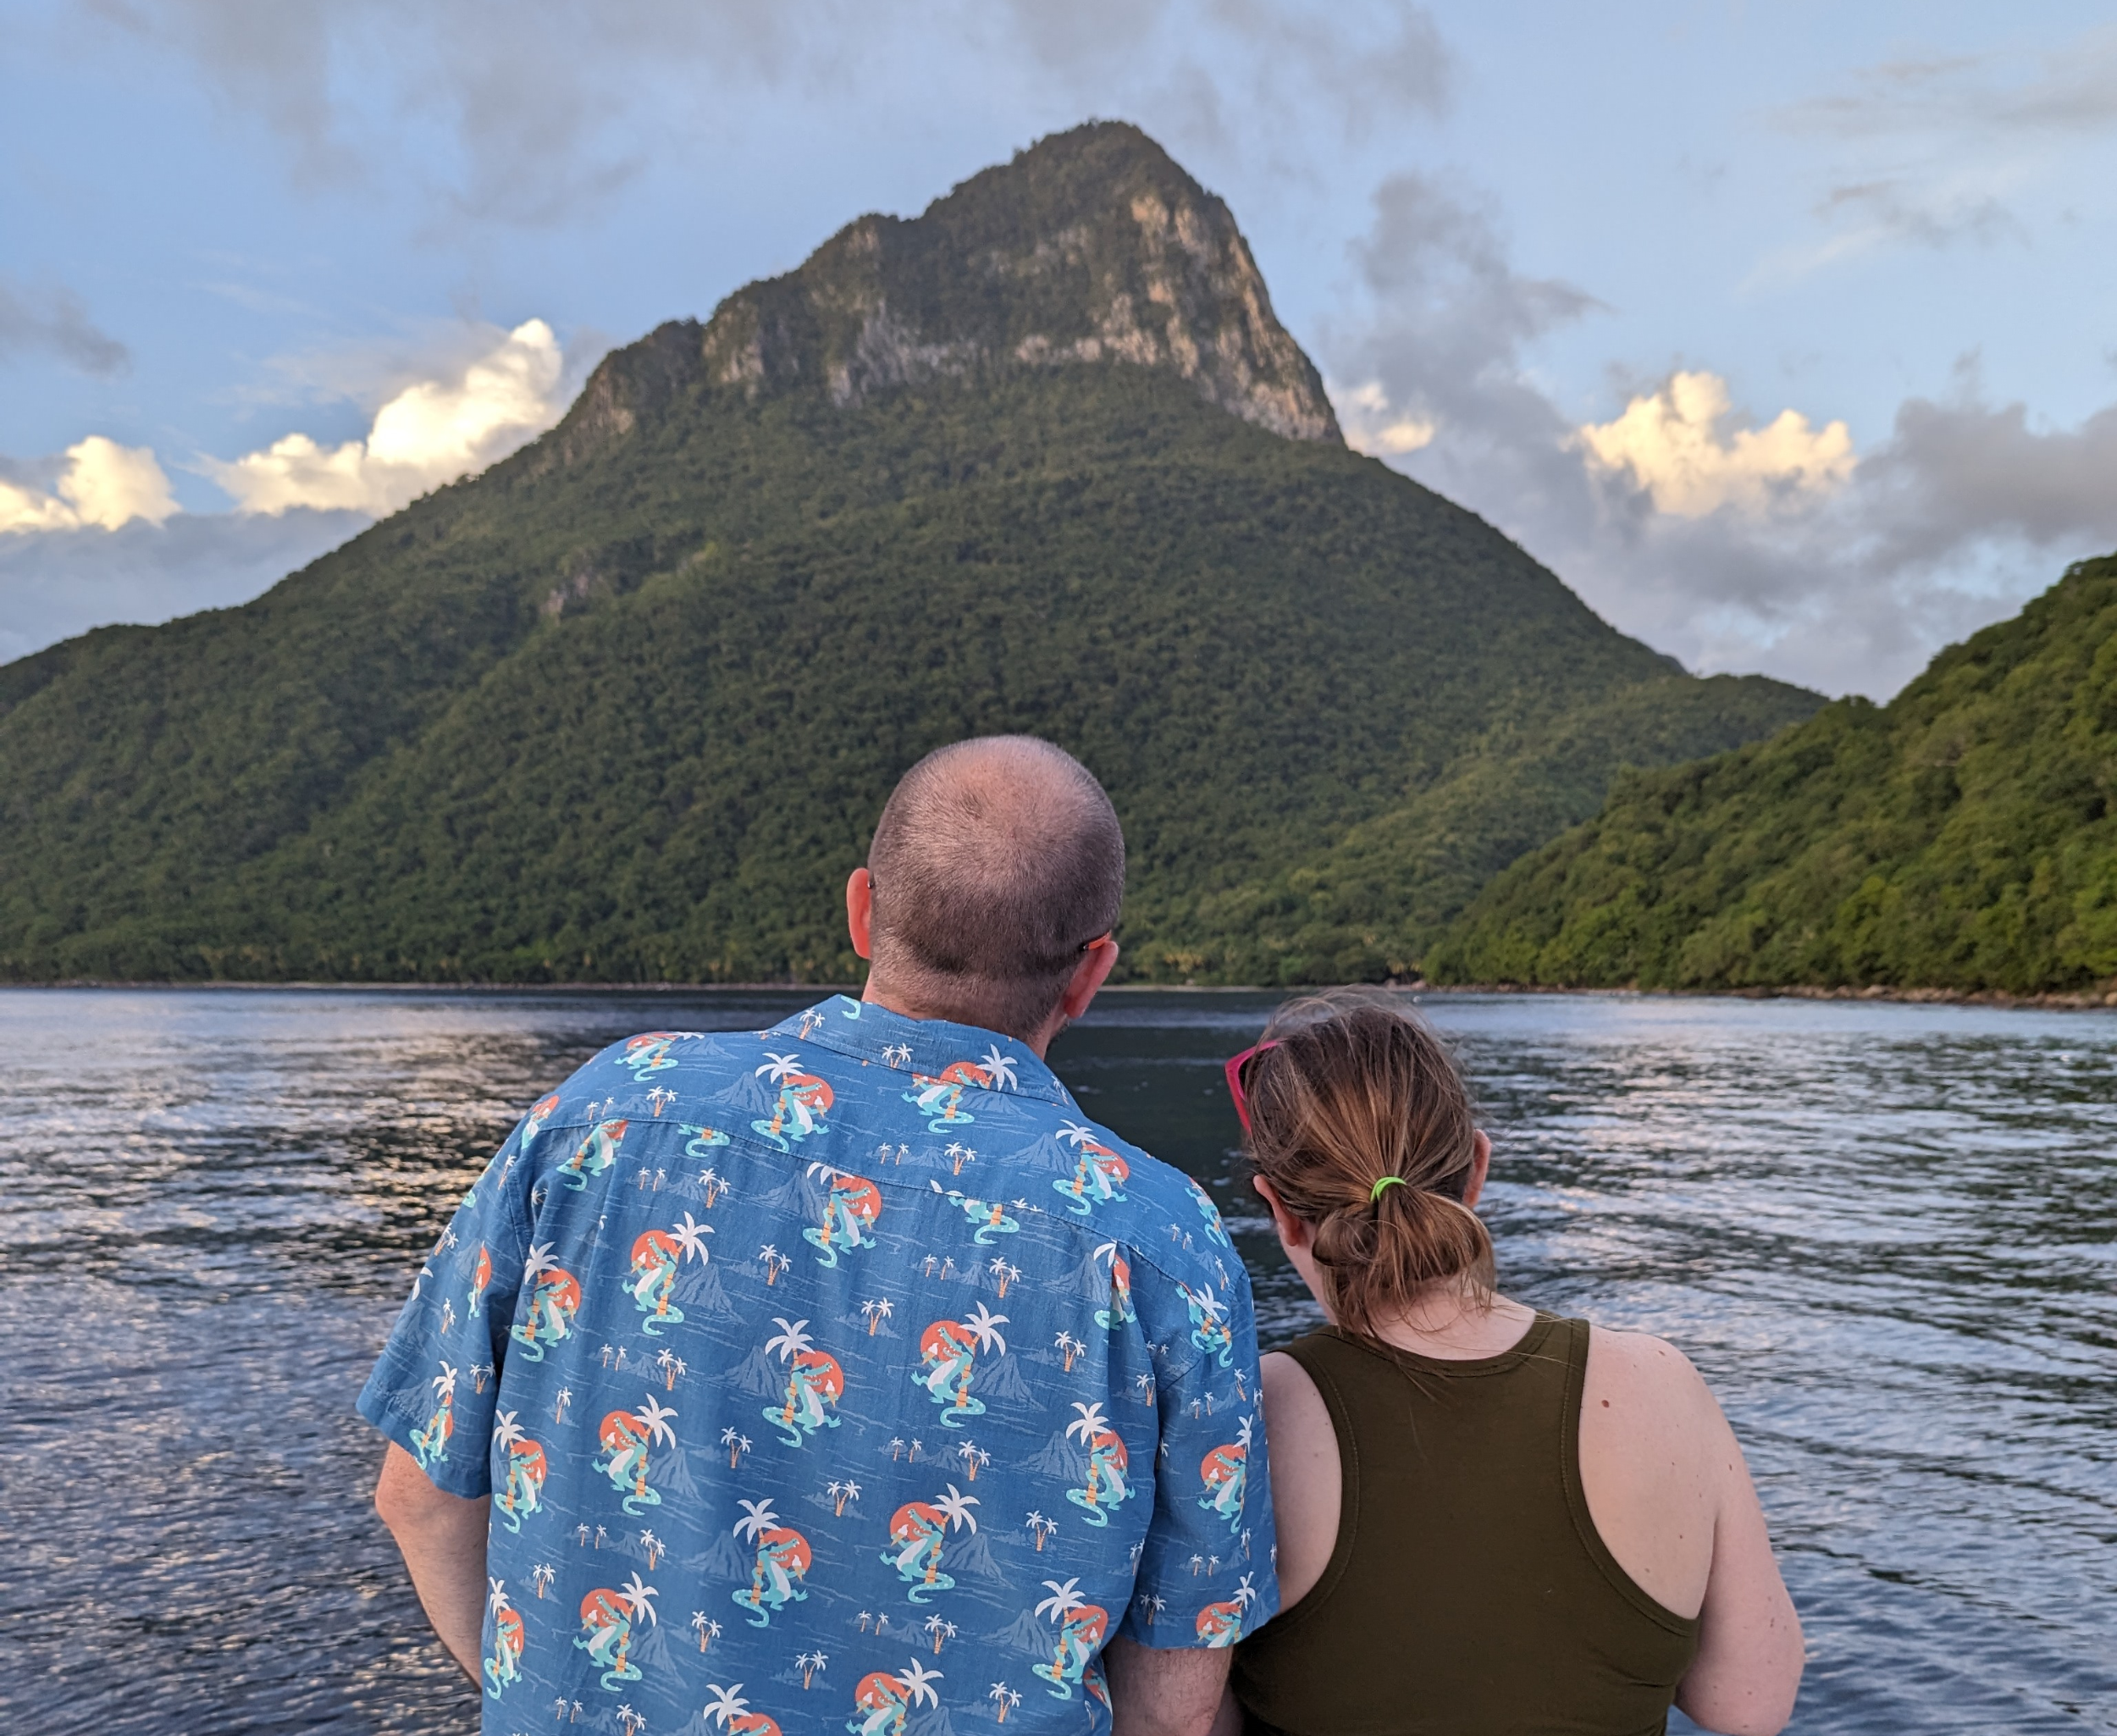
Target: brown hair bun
1360, 1094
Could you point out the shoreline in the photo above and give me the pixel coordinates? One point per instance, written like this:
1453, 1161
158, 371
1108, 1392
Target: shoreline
2071, 1000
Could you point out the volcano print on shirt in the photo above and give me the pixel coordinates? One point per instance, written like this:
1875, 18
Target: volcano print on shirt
774, 1325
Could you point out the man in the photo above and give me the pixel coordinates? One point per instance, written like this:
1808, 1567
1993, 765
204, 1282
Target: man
844, 1374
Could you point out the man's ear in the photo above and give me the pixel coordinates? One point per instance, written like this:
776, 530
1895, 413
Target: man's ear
1093, 971
860, 911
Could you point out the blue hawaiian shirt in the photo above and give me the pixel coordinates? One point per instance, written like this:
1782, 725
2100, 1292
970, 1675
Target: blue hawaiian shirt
842, 1376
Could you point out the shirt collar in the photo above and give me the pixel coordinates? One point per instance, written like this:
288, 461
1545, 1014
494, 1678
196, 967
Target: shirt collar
867, 1033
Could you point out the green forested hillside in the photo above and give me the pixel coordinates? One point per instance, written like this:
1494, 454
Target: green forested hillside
1964, 837
624, 707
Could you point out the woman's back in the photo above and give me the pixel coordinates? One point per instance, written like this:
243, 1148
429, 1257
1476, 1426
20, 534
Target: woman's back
1487, 1520
1468, 1587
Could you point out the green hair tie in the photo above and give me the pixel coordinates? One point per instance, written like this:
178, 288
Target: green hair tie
1375, 1193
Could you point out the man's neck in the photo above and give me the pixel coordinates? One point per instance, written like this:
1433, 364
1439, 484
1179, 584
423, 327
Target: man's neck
892, 999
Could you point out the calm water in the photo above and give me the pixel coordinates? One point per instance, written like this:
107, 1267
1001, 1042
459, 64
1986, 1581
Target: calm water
1888, 1234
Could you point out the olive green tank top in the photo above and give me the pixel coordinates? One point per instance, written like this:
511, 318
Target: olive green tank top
1468, 1593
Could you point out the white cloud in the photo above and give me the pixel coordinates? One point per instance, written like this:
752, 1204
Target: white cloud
430, 433
1373, 425
103, 485
1732, 547
1677, 444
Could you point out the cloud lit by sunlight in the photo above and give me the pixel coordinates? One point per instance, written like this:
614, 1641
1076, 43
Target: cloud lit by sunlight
103, 484
1372, 426
431, 432
1677, 448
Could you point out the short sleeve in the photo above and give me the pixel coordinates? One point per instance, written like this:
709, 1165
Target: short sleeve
1207, 1575
435, 1387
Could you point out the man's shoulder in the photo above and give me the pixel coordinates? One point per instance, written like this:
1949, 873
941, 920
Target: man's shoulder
1165, 1217
651, 1060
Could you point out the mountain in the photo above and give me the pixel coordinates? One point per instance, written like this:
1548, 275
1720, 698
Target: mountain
1962, 837
625, 706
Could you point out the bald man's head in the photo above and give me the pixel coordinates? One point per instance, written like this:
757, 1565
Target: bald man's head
995, 863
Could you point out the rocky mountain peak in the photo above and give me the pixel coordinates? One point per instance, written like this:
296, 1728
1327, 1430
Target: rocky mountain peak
1093, 246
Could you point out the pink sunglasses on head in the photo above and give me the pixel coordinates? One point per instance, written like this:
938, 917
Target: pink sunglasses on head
1234, 1070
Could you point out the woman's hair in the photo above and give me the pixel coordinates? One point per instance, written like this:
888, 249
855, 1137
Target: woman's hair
1360, 1089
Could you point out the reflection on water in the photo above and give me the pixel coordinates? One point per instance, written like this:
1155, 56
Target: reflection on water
1888, 1234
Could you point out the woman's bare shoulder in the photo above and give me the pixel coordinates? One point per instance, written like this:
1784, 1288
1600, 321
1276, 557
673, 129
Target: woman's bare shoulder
1308, 1485
1638, 1368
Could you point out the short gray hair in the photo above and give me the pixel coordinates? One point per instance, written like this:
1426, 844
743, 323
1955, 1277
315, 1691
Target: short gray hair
996, 862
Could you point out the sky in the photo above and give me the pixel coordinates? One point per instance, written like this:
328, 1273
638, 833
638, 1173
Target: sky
1783, 334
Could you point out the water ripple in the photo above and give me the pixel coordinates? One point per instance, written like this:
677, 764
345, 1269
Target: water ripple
1888, 1234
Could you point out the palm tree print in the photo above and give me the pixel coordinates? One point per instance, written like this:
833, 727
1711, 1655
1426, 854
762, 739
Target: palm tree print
532, 1123
526, 1469
1081, 1626
802, 1102
728, 1708
783, 1559
949, 1350
555, 1298
1099, 1174
918, 1535
884, 1701
595, 1155
656, 1256
814, 1383
939, 1098
1220, 1624
431, 1442
1224, 1471
503, 1665
1119, 1312
1104, 1486
620, 1286
609, 1621
1209, 1329
1216, 1231
647, 1054
628, 1436
851, 1204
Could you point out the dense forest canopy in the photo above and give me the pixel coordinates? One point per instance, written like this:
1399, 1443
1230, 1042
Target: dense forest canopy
625, 706
1963, 836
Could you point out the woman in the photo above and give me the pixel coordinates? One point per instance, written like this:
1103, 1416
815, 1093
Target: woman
1491, 1520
